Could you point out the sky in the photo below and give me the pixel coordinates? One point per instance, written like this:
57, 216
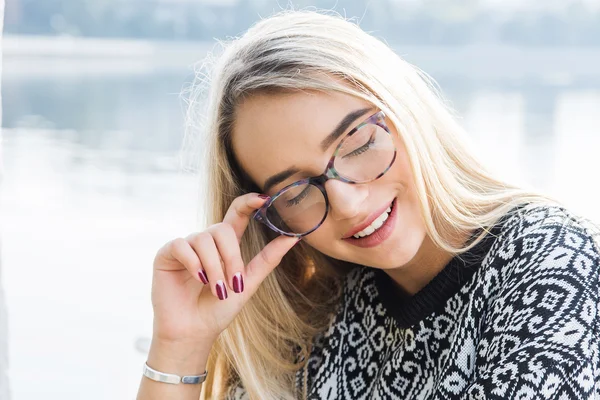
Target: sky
508, 5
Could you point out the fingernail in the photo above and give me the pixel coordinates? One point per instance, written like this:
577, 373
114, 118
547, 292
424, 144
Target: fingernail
298, 241
263, 196
238, 283
221, 290
202, 276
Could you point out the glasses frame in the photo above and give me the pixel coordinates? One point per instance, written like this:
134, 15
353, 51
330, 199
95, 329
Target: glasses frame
330, 173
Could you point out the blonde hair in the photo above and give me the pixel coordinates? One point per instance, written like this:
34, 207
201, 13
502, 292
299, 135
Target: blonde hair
269, 341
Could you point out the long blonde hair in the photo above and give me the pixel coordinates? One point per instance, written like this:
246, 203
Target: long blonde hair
269, 341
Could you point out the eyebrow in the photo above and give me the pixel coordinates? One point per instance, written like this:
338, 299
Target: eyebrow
342, 126
280, 177
325, 143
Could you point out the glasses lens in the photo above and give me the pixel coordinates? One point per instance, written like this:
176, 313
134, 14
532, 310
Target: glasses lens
366, 154
298, 210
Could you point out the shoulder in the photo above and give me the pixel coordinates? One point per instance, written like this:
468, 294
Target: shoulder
553, 220
546, 262
541, 289
547, 237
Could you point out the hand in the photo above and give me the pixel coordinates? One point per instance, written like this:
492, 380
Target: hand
186, 309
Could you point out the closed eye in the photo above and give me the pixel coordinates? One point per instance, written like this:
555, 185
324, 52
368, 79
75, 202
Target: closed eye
362, 148
296, 200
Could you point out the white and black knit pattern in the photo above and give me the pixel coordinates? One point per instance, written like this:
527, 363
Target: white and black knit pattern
515, 318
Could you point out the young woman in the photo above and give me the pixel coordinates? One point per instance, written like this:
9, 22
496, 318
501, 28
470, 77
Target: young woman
356, 249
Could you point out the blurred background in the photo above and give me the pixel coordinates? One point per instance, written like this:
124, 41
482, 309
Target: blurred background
93, 122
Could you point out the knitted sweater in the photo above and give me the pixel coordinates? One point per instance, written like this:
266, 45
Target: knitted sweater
516, 317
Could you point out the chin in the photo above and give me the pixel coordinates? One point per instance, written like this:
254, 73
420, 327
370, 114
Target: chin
390, 261
396, 253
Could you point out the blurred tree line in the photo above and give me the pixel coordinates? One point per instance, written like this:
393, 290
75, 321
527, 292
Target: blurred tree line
426, 22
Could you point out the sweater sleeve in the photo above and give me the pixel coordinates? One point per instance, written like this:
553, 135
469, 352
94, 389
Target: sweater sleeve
540, 331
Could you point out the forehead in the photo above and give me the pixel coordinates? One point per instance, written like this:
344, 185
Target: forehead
273, 132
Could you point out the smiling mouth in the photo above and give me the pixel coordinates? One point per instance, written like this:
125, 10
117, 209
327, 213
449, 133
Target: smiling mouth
379, 235
375, 224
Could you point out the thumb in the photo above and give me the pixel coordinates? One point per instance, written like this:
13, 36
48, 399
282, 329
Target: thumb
264, 262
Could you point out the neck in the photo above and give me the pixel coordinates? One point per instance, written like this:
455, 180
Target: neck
421, 269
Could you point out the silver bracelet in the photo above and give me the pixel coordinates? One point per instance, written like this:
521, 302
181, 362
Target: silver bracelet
172, 378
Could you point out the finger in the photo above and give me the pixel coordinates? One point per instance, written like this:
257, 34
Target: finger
241, 210
266, 261
229, 250
180, 251
206, 249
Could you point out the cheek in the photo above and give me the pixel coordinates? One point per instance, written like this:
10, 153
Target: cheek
323, 240
401, 170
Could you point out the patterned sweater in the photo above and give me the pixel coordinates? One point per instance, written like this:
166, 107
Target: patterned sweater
516, 317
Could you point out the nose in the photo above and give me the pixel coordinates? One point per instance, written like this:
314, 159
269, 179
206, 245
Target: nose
345, 199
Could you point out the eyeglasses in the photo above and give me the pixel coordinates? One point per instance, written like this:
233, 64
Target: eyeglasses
365, 154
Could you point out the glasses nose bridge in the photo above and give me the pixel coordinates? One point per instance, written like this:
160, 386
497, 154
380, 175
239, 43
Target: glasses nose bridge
330, 173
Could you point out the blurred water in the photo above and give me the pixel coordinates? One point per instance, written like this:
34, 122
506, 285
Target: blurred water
92, 189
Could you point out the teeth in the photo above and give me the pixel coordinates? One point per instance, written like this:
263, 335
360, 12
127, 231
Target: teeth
374, 225
377, 223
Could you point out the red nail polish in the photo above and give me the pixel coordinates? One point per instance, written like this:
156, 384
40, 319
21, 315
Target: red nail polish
221, 290
238, 283
202, 276
263, 196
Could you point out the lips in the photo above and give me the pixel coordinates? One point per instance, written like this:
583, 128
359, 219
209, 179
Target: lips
368, 221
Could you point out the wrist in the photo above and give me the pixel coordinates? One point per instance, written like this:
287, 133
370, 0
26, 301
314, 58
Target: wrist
179, 357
